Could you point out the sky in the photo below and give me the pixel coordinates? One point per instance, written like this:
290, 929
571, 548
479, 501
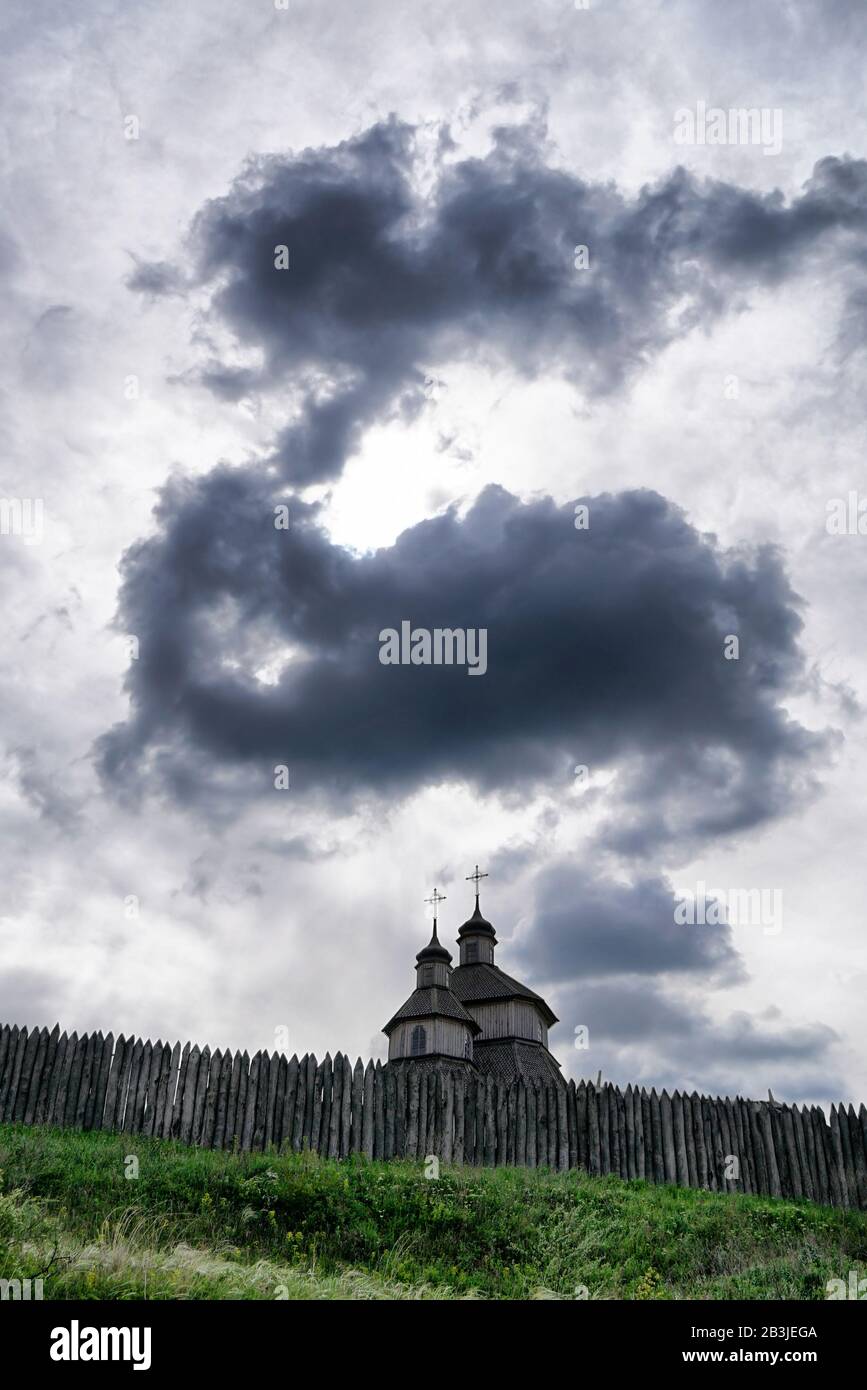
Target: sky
503, 317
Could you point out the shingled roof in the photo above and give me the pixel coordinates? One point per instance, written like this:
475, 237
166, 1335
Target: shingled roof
473, 984
508, 1058
431, 1002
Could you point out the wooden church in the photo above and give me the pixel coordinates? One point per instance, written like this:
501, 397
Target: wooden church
472, 1016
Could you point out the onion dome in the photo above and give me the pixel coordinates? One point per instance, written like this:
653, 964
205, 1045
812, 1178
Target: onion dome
434, 950
477, 925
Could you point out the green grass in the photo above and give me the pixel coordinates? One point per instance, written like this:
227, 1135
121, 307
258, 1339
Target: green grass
196, 1224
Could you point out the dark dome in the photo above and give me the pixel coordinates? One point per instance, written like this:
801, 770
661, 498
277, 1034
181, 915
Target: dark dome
434, 951
478, 925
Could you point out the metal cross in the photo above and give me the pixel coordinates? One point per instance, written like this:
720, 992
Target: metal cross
476, 877
436, 897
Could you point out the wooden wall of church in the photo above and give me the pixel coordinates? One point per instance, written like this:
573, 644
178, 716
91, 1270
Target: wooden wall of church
442, 1035
510, 1018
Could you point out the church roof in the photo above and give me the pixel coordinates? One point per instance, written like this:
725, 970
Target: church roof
431, 1002
434, 950
473, 984
477, 923
509, 1059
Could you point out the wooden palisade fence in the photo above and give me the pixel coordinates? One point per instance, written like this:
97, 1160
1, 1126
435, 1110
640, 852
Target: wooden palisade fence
222, 1100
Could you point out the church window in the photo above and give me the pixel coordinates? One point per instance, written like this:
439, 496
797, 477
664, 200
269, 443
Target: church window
426, 975
472, 952
418, 1042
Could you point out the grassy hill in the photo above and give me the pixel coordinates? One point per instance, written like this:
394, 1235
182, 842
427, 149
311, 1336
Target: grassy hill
196, 1224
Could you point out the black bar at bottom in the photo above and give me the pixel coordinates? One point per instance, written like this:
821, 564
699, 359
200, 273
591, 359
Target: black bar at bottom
219, 1339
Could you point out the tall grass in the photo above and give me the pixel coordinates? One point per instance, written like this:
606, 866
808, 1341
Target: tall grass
191, 1223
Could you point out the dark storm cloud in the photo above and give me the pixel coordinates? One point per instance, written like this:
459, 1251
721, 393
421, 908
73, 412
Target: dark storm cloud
627, 1012
605, 647
587, 927
611, 959
640, 1031
609, 956
384, 281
